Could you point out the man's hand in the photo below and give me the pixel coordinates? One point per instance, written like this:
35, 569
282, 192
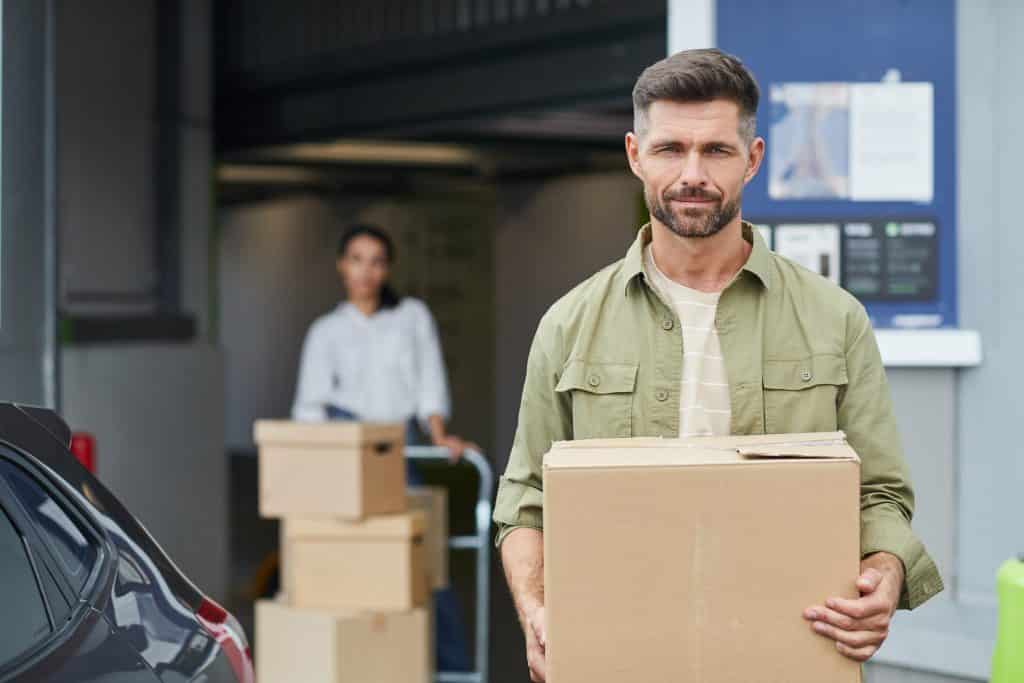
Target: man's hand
536, 643
522, 554
860, 626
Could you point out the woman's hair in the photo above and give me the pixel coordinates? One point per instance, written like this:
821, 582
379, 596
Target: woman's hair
389, 298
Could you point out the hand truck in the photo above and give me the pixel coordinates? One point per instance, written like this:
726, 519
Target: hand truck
479, 541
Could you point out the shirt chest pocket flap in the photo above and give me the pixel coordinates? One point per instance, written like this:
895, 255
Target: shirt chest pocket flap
801, 395
602, 397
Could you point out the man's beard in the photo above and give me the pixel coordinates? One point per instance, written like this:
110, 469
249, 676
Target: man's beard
694, 222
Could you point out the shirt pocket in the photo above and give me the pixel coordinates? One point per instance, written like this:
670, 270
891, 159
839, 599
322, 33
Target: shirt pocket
802, 395
602, 398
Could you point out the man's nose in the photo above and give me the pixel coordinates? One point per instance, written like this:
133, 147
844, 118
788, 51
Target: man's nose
693, 173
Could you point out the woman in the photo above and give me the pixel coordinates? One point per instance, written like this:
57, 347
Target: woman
376, 357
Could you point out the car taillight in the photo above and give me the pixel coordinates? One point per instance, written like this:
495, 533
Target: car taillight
228, 633
83, 447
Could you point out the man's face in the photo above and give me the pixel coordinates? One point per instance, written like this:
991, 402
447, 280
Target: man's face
693, 164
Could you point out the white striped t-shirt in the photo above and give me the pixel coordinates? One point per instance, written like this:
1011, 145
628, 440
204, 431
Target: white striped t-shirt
704, 406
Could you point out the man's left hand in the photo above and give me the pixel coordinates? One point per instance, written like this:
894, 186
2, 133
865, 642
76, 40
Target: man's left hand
860, 626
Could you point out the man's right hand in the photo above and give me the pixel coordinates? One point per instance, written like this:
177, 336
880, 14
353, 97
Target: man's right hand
522, 555
536, 643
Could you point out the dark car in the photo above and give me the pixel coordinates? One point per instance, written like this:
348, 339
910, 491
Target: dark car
85, 593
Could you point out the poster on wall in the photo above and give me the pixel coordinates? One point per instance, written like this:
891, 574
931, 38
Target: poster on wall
891, 148
809, 156
852, 141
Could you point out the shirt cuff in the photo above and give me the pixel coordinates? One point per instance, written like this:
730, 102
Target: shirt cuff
517, 506
884, 529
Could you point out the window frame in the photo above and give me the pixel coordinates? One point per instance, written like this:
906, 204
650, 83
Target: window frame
22, 526
42, 557
84, 523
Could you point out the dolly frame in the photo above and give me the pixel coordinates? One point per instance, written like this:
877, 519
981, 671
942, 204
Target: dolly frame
479, 541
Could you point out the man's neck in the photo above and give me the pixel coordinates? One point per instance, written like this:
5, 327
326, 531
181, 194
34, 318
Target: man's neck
707, 264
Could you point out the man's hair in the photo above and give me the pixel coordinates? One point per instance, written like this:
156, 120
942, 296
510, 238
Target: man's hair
698, 76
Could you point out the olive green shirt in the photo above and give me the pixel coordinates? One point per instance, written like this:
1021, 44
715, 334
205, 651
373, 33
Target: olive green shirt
800, 356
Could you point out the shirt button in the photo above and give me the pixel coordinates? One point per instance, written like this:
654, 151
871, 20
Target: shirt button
661, 395
667, 324
594, 380
806, 375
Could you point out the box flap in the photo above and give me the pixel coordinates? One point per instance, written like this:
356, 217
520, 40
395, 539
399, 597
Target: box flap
326, 434
714, 441
661, 452
832, 451
389, 527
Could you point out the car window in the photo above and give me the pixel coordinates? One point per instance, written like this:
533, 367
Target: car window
24, 621
75, 551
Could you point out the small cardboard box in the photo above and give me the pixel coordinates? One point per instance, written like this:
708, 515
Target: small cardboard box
323, 646
349, 470
376, 564
693, 560
433, 501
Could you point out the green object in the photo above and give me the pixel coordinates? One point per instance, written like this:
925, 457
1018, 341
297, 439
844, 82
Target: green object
800, 354
1008, 659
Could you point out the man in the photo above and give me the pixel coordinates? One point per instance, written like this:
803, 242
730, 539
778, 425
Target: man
702, 330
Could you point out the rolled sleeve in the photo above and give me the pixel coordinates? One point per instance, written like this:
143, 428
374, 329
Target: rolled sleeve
544, 417
887, 497
884, 530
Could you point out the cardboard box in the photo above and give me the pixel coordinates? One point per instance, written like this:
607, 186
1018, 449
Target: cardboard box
376, 564
320, 646
693, 560
349, 470
433, 501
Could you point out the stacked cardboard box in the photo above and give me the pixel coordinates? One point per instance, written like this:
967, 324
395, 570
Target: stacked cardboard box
695, 558
355, 582
433, 501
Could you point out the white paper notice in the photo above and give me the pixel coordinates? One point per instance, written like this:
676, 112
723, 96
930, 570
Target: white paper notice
813, 246
891, 142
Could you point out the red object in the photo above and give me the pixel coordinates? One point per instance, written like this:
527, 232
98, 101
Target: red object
228, 633
83, 447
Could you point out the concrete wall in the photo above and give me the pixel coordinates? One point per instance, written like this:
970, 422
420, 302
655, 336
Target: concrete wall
157, 414
23, 272
990, 250
276, 276
106, 101
107, 145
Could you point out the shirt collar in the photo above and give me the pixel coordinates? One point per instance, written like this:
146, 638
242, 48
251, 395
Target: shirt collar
758, 263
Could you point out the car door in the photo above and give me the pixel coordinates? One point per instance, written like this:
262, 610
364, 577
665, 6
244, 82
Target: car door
53, 564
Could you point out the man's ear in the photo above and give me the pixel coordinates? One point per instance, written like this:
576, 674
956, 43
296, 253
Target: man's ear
633, 154
755, 156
